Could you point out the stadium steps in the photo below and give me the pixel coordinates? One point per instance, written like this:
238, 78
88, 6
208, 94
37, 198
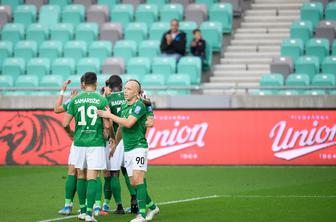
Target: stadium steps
253, 44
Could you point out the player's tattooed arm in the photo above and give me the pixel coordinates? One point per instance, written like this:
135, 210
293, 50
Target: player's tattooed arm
66, 124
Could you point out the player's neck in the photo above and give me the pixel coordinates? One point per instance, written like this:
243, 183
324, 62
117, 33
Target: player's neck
132, 101
90, 89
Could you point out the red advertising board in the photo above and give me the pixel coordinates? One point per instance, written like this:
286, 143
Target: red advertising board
189, 137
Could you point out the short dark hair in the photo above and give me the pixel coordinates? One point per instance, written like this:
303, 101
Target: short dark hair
196, 30
115, 82
90, 78
82, 79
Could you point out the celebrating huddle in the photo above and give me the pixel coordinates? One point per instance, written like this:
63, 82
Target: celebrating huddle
109, 136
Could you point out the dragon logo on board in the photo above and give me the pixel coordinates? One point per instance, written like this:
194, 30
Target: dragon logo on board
31, 139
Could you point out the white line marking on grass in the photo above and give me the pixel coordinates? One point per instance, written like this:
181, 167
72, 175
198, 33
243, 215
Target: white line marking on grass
59, 218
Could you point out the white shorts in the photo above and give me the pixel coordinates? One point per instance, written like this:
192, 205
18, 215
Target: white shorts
72, 155
91, 158
116, 161
135, 160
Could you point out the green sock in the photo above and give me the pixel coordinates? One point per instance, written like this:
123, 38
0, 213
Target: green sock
149, 203
107, 190
141, 198
81, 190
98, 191
91, 194
131, 189
70, 189
116, 189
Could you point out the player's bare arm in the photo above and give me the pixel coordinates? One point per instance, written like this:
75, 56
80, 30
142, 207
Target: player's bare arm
59, 102
150, 122
66, 124
128, 123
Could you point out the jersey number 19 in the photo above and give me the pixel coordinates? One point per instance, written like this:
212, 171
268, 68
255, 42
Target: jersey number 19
91, 112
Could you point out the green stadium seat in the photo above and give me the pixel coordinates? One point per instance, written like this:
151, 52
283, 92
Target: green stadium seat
177, 80
324, 80
315, 92
149, 48
37, 32
212, 34
101, 79
188, 28
318, 47
75, 81
298, 80
122, 13
301, 30
25, 14
171, 11
136, 31
260, 92
126, 77
52, 81
222, 13
273, 79
73, 14
109, 3
329, 65
27, 81
125, 49
12, 3
25, 49
207, 63
62, 32
51, 50
293, 48
100, 50
312, 12
88, 65
153, 80
38, 66
308, 65
332, 92
164, 65
334, 48
14, 66
157, 30
192, 66
61, 3
290, 92
6, 50
12, 32
87, 32
50, 15
6, 81
158, 3
330, 11
63, 66
75, 50
147, 13
138, 65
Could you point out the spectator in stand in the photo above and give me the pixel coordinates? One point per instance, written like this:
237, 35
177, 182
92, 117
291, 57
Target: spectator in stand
198, 45
173, 42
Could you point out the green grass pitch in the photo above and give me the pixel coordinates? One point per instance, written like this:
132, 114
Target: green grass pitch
236, 194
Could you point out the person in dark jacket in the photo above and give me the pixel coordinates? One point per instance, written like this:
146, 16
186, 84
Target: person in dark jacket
173, 42
198, 45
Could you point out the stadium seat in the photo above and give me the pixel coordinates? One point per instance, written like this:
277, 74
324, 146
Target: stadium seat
12, 32
126, 77
207, 62
283, 65
149, 49
208, 3
330, 11
212, 34
101, 79
136, 32
293, 48
87, 32
197, 13
97, 14
125, 49
52, 81
308, 65
270, 80
147, 13
177, 80
114, 66
51, 50
324, 80
171, 11
27, 81
158, 3
312, 12
192, 66
185, 3
38, 67
37, 3
12, 3
164, 65
5, 15
327, 30
85, 3
75, 81
111, 32
6, 81
88, 65
25, 49
301, 30
62, 32
188, 28
259, 92
100, 50
50, 15
13, 67
122, 13
222, 13
73, 14
157, 30
25, 14
75, 50
334, 48
139, 66
6, 50
109, 3
61, 3
298, 80
315, 92
329, 65
63, 66
318, 48
38, 33
153, 80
